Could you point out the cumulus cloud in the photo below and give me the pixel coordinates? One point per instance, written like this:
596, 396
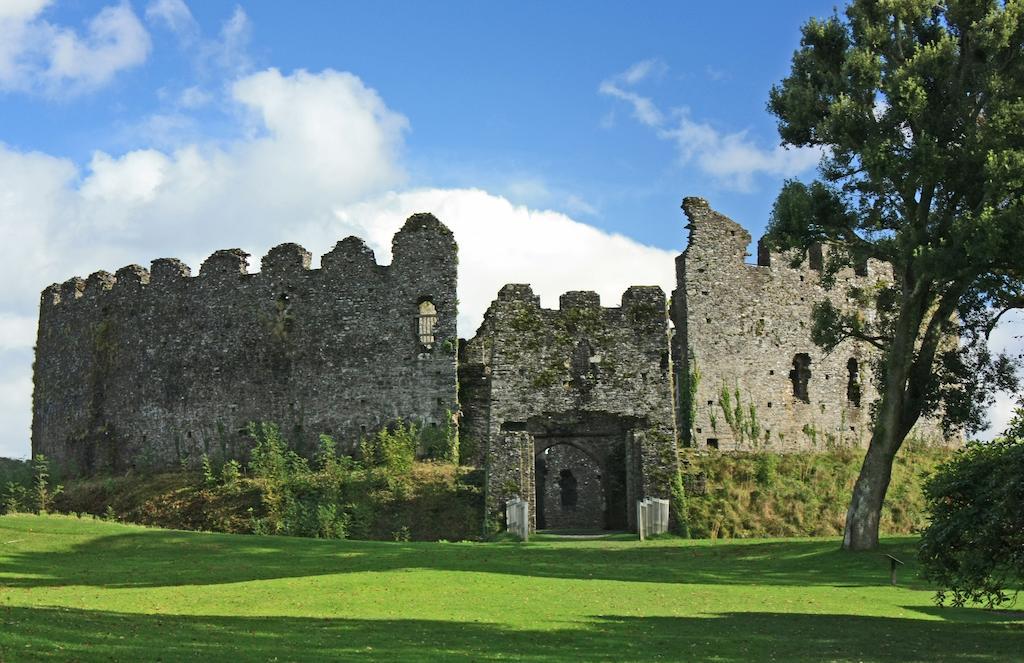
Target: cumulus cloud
321, 159
732, 158
39, 56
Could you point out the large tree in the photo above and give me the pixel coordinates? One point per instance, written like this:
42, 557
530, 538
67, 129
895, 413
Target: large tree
918, 108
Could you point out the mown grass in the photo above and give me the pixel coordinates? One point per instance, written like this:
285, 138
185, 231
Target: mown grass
81, 589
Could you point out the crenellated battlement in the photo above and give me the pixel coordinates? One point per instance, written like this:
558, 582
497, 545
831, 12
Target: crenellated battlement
339, 349
419, 242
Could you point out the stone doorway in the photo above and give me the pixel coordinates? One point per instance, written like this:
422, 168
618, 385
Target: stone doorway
582, 477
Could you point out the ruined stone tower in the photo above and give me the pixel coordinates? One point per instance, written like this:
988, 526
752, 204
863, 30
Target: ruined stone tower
747, 374
573, 406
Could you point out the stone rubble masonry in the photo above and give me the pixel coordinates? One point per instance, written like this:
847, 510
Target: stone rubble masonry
598, 379
739, 328
153, 368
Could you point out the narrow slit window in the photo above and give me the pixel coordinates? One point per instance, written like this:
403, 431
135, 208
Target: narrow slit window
853, 382
426, 321
800, 376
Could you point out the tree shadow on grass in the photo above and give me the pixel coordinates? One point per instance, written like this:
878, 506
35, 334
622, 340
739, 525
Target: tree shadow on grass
69, 634
153, 557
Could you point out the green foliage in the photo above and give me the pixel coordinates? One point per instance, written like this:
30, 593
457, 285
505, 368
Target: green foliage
271, 458
15, 498
393, 449
230, 473
973, 548
440, 442
677, 507
16, 479
689, 393
741, 420
209, 478
43, 492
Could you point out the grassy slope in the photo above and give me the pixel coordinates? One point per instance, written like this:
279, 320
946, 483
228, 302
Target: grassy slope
802, 494
439, 501
88, 590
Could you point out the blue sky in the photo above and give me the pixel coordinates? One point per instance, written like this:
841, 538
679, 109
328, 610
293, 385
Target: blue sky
556, 139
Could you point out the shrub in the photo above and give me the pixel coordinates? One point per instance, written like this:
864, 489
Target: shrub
973, 547
392, 449
230, 473
15, 498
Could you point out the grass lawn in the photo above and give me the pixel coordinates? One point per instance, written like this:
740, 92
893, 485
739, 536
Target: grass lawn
75, 589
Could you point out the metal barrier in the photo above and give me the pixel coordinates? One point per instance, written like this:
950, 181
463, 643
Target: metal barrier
517, 517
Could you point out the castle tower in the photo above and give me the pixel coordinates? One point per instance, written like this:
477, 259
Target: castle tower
154, 368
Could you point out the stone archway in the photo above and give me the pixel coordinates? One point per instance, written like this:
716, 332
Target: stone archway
570, 494
581, 471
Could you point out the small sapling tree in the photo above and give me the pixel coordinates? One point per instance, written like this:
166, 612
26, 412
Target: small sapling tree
43, 493
916, 106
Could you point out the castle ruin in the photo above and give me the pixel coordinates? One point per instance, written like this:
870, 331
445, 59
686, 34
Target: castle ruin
579, 410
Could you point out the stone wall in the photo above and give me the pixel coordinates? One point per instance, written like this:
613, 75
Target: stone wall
593, 378
148, 368
743, 333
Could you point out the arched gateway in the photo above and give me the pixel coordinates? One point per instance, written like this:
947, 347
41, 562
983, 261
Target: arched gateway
574, 406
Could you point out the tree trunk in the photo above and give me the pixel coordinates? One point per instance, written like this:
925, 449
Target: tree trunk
890, 426
865, 512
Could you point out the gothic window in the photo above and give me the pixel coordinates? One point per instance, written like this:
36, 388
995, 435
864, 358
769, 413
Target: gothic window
853, 382
426, 321
800, 376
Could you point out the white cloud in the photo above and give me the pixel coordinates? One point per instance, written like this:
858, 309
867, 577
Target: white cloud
731, 158
38, 56
226, 54
21, 9
175, 16
194, 97
500, 243
17, 331
644, 109
322, 159
1008, 337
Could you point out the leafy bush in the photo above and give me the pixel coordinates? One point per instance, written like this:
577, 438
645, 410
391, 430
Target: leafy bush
974, 546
